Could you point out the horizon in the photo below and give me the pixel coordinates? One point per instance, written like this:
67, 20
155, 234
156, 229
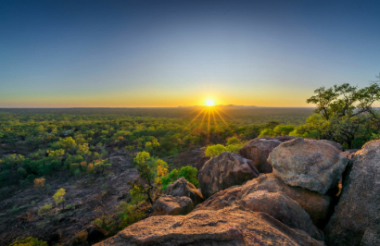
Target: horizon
133, 54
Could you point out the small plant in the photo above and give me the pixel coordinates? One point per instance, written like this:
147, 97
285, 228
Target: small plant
29, 241
70, 206
39, 183
59, 197
45, 208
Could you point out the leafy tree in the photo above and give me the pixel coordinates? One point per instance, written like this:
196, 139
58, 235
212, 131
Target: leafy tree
59, 197
233, 140
141, 157
215, 150
348, 110
101, 165
170, 178
67, 144
190, 174
82, 149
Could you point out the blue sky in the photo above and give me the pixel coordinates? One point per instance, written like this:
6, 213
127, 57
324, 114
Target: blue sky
172, 53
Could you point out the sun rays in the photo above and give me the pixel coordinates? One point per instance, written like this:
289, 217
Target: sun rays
208, 117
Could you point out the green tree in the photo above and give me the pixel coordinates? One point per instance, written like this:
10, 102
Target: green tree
59, 197
215, 150
190, 174
348, 110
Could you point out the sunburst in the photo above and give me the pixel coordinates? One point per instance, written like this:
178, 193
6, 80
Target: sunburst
209, 115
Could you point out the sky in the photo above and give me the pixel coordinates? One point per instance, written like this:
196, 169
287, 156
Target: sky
180, 52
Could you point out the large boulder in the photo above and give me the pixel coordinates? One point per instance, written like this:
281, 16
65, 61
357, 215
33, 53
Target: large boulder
226, 170
259, 149
356, 220
283, 208
317, 205
172, 205
229, 226
311, 164
182, 187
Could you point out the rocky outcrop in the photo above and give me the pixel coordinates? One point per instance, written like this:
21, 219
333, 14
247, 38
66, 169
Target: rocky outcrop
182, 187
283, 208
314, 203
311, 164
259, 149
172, 205
228, 226
356, 220
226, 170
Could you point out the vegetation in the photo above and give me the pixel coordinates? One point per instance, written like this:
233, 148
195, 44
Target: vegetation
30, 241
59, 197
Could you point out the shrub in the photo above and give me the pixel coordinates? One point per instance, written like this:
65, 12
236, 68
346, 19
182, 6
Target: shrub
29, 241
233, 140
45, 208
190, 174
59, 197
39, 183
215, 150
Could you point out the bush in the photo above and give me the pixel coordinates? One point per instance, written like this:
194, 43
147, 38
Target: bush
45, 208
215, 150
190, 174
29, 241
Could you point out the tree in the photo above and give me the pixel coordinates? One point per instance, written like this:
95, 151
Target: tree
215, 150
347, 109
190, 174
101, 165
59, 197
39, 183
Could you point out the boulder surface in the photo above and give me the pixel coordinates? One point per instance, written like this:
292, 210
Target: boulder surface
172, 205
315, 204
228, 226
311, 164
182, 187
226, 170
356, 220
258, 150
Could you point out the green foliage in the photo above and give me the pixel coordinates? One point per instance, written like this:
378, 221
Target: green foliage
45, 209
29, 241
141, 157
233, 140
234, 148
128, 214
190, 174
215, 150
101, 165
59, 197
67, 144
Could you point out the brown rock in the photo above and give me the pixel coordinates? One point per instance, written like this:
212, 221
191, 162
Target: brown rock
172, 205
259, 149
283, 208
315, 204
224, 171
182, 187
356, 220
229, 226
311, 164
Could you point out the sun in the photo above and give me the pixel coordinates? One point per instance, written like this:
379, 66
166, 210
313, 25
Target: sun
210, 102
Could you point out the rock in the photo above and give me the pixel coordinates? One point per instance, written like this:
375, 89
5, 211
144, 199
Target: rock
259, 149
226, 170
182, 187
172, 205
310, 164
283, 208
95, 234
315, 204
356, 220
329, 142
228, 226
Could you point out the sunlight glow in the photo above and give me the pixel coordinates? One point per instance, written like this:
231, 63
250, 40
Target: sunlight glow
210, 102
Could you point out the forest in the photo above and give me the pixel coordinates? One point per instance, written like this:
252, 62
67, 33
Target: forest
39, 146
